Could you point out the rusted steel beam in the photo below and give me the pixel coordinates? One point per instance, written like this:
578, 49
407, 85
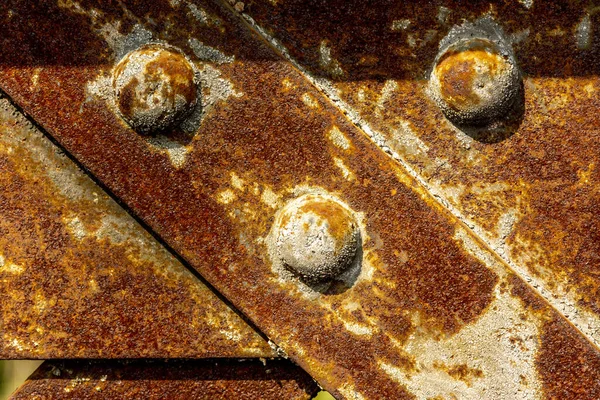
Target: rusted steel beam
80, 278
205, 379
526, 181
268, 191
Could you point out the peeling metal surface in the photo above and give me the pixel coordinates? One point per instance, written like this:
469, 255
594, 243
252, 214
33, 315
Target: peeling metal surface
80, 278
429, 312
207, 379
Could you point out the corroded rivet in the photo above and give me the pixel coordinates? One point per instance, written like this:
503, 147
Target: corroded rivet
475, 79
317, 237
154, 88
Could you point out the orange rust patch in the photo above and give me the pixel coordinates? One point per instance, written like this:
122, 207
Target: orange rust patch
460, 71
176, 69
338, 218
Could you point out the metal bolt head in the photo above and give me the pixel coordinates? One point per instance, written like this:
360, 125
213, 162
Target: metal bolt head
317, 237
155, 88
475, 80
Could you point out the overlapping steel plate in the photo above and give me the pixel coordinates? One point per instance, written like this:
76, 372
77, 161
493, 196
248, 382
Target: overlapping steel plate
79, 277
206, 379
433, 311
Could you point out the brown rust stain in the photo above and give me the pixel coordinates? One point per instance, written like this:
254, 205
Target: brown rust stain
357, 31
568, 367
567, 364
80, 278
532, 188
210, 379
271, 139
520, 290
278, 142
461, 372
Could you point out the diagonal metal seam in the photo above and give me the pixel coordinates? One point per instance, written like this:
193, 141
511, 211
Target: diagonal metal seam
329, 92
143, 225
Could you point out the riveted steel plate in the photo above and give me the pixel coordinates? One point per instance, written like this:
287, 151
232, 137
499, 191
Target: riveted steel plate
223, 379
80, 278
530, 189
429, 311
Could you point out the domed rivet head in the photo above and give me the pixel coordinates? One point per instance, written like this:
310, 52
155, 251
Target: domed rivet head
154, 88
475, 79
317, 237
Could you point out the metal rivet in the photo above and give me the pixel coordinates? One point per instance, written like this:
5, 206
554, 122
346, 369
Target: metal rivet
155, 88
317, 237
475, 79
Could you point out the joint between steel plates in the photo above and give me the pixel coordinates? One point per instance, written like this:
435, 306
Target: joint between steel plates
142, 223
323, 86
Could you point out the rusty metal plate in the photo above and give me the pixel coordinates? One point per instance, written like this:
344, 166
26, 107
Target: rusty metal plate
223, 379
81, 278
425, 311
528, 186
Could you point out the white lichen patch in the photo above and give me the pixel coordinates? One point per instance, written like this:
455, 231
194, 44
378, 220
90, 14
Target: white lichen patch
236, 181
226, 196
309, 100
387, 91
288, 84
9, 267
500, 348
346, 172
35, 77
357, 329
75, 227
270, 198
327, 62
526, 3
468, 243
210, 54
405, 140
215, 89
176, 151
583, 33
110, 30
202, 16
350, 392
338, 138
400, 24
231, 335
17, 344
443, 14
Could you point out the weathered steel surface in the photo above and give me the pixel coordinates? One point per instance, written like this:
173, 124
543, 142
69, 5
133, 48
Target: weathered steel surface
80, 278
529, 188
206, 379
427, 312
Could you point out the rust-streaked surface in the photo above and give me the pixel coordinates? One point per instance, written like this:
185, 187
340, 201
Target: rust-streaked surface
207, 379
431, 313
529, 189
80, 278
